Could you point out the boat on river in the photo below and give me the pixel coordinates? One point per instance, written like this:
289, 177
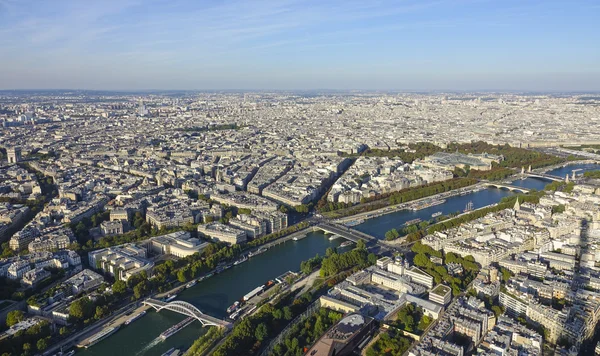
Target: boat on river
428, 204
172, 352
469, 207
413, 221
346, 244
175, 328
435, 215
101, 336
134, 318
170, 297
233, 307
257, 252
191, 284
241, 260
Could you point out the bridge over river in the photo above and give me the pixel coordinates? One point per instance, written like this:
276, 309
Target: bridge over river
187, 309
512, 188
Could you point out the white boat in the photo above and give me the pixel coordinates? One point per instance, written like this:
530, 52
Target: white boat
101, 336
469, 207
346, 244
172, 352
435, 215
257, 252
233, 307
134, 318
175, 328
191, 284
170, 297
333, 237
241, 260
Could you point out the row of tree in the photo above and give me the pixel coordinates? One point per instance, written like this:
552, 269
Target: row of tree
402, 196
306, 333
560, 186
357, 258
417, 150
253, 332
32, 341
505, 203
411, 319
514, 157
202, 345
592, 174
390, 343
439, 272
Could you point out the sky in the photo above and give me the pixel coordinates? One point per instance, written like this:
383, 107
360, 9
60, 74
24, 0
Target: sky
539, 45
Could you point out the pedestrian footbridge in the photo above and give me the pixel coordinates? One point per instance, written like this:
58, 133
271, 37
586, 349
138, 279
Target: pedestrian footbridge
187, 309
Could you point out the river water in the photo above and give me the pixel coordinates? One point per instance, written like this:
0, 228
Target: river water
211, 296
215, 294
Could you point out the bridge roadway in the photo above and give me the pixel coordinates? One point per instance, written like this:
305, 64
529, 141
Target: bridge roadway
510, 187
544, 175
187, 309
345, 232
373, 244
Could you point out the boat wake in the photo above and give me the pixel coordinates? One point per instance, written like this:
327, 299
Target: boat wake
149, 346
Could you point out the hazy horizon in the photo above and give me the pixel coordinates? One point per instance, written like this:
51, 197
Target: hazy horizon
430, 45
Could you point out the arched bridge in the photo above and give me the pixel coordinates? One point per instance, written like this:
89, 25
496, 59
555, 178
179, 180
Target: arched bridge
345, 232
188, 309
512, 188
544, 176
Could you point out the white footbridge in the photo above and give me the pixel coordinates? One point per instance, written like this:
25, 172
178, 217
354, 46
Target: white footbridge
187, 309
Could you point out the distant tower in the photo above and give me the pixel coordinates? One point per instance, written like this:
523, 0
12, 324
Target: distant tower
517, 206
522, 170
14, 154
142, 109
529, 169
567, 178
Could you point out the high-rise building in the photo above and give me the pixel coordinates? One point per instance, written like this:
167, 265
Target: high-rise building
142, 111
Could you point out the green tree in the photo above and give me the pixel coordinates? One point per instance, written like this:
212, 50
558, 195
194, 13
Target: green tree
81, 309
261, 332
120, 287
27, 348
101, 311
42, 344
497, 310
424, 323
287, 313
329, 251
14, 317
506, 274
183, 275
141, 289
421, 260
360, 245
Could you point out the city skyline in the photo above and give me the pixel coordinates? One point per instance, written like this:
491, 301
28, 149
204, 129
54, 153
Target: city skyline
260, 45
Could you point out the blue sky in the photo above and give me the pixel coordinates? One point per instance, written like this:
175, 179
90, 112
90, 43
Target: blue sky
288, 44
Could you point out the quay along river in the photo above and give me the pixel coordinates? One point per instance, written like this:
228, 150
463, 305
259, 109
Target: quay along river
215, 294
378, 226
212, 296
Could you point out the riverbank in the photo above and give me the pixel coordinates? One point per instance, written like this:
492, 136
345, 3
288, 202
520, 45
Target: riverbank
404, 206
79, 337
565, 164
212, 296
